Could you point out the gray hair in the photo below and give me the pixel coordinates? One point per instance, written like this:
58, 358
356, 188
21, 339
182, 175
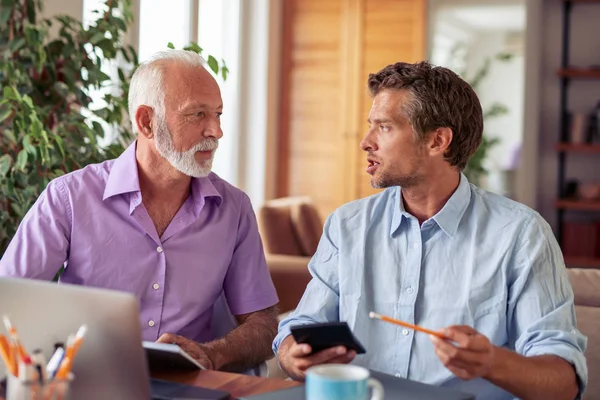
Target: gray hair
146, 86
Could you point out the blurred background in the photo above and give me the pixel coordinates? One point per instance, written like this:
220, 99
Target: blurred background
296, 102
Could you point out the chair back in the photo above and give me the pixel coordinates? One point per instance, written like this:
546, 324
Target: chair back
290, 226
586, 286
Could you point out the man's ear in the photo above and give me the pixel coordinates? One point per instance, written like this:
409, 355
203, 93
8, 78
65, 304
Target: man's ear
143, 119
441, 138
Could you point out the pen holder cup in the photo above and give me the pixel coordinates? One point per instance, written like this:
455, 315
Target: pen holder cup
57, 389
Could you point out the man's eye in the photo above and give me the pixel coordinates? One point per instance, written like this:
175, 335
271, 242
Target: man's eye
384, 128
199, 114
219, 114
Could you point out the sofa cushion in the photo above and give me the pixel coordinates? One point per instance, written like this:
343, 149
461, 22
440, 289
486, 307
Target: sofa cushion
588, 322
586, 286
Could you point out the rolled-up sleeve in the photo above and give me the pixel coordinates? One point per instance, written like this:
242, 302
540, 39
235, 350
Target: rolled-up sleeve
41, 244
320, 302
248, 286
541, 304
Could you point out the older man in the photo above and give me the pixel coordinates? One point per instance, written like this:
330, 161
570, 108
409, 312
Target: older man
434, 250
157, 223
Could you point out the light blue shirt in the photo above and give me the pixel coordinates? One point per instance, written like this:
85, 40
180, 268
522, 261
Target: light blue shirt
483, 260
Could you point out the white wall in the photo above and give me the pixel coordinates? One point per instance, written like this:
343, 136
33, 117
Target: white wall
73, 8
503, 84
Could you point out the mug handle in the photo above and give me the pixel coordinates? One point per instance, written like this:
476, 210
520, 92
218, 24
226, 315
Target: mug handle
377, 389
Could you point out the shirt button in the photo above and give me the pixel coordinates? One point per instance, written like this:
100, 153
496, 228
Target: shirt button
155, 286
159, 249
405, 332
410, 290
150, 323
416, 245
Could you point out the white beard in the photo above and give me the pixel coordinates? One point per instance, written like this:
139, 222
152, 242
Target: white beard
184, 161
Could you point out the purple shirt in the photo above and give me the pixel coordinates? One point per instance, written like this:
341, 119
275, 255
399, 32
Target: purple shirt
94, 220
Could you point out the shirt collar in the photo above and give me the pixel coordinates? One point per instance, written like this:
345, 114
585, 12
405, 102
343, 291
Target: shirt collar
203, 188
123, 178
448, 218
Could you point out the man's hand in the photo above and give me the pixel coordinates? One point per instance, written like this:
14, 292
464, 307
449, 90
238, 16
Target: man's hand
194, 349
471, 356
295, 358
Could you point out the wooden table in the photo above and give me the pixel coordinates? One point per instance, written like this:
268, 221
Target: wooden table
236, 384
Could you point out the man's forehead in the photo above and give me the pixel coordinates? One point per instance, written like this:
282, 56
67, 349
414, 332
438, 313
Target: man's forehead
185, 77
191, 88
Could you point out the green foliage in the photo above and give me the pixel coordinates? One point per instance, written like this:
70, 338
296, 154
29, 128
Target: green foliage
475, 170
47, 127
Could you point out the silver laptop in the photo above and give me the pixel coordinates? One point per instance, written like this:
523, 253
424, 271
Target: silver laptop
110, 363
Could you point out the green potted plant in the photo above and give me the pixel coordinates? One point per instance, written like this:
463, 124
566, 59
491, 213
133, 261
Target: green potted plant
476, 170
47, 127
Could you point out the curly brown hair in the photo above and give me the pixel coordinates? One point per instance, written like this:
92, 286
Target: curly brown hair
439, 98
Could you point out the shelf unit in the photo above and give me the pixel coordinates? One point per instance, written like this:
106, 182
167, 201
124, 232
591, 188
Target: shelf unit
567, 73
575, 204
579, 148
582, 262
579, 73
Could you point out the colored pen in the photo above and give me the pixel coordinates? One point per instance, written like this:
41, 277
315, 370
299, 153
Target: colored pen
55, 362
39, 362
15, 338
64, 369
405, 324
78, 340
6, 354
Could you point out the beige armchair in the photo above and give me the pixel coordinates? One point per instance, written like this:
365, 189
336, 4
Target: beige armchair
290, 228
586, 286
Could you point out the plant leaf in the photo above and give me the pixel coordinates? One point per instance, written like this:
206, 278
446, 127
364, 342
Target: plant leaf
59, 143
22, 160
27, 144
5, 113
170, 45
5, 163
193, 46
17, 44
97, 37
224, 70
213, 64
5, 12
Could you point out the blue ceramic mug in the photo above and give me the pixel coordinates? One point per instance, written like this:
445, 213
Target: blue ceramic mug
341, 382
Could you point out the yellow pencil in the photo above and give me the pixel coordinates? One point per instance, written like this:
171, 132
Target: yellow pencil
406, 325
6, 353
15, 338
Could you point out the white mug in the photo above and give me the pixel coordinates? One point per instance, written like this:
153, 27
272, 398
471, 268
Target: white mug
341, 382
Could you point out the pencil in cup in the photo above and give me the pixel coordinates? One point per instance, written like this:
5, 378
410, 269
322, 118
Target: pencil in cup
374, 315
73, 345
20, 389
8, 355
12, 332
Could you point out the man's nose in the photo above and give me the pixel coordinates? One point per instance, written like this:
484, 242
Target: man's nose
366, 144
213, 129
